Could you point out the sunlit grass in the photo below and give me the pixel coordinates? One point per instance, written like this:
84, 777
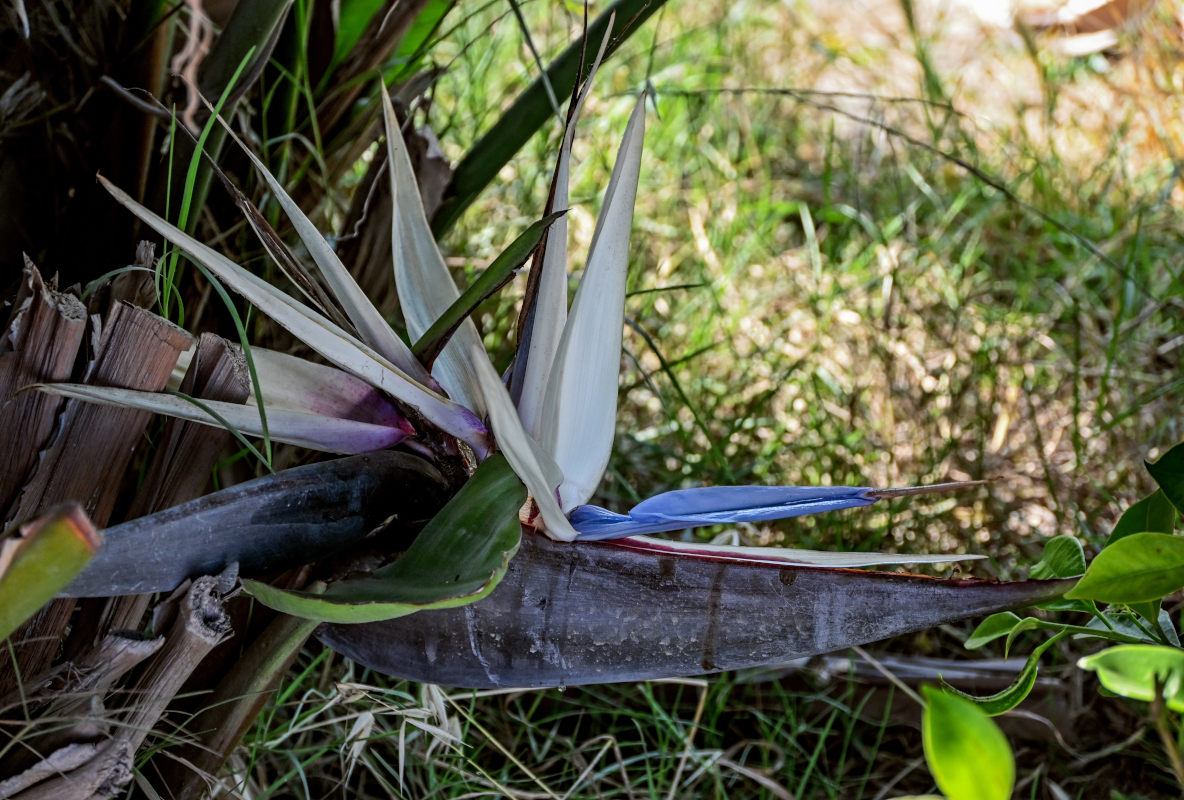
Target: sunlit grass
822, 293
837, 304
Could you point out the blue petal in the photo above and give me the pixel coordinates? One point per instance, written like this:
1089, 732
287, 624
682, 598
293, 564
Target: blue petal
714, 505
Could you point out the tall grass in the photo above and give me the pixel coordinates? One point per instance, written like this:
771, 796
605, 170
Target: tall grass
822, 292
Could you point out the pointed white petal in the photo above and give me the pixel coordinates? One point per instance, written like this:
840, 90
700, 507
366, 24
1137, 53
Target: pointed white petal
423, 282
780, 555
550, 305
320, 334
315, 431
580, 410
426, 289
372, 328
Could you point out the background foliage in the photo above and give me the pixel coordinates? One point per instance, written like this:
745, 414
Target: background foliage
875, 244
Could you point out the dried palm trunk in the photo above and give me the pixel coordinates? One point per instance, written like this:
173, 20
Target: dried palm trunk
40, 343
87, 456
185, 455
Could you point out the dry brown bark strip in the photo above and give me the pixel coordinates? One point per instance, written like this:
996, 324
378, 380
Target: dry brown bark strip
106, 770
40, 344
180, 471
88, 455
201, 624
234, 705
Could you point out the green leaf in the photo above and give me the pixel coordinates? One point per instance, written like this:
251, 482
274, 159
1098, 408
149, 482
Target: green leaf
1061, 604
1025, 624
458, 558
1168, 472
967, 753
1013, 695
1133, 670
39, 559
1153, 513
1063, 558
1135, 569
495, 276
352, 18
414, 46
991, 629
1120, 621
1161, 621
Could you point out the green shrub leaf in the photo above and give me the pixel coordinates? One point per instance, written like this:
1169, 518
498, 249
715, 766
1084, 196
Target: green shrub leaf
1134, 670
1168, 472
992, 628
1063, 558
967, 753
458, 558
1153, 513
1135, 569
1013, 695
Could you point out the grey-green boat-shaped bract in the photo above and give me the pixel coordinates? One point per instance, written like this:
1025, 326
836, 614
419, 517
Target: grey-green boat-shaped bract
263, 526
572, 614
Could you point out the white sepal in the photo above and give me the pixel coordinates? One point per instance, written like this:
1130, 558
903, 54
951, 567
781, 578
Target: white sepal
549, 314
372, 328
580, 408
426, 289
322, 335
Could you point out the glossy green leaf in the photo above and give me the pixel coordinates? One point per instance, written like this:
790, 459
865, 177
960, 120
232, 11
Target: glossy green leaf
1154, 513
1168, 472
991, 628
1061, 604
1025, 624
457, 559
1135, 569
495, 276
1004, 701
967, 753
1063, 558
1159, 620
39, 559
1121, 620
1134, 670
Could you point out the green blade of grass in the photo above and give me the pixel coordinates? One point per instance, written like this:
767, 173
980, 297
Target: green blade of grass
495, 276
